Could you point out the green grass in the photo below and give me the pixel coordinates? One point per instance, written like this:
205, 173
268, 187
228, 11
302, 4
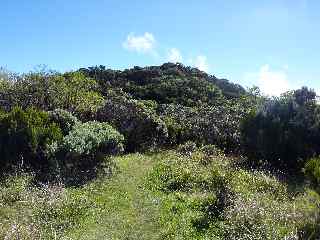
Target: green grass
164, 195
124, 208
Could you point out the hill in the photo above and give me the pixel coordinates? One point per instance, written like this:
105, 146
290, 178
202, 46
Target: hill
160, 152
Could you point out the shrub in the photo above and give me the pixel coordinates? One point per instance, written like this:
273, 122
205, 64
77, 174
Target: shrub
284, 132
187, 148
65, 120
48, 90
25, 137
168, 83
91, 138
218, 125
312, 171
82, 151
136, 120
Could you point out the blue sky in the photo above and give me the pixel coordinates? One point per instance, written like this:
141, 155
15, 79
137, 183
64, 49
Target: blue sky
274, 44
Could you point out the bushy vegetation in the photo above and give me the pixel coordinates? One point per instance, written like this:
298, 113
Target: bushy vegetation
25, 137
203, 157
65, 120
312, 171
285, 131
219, 125
92, 138
168, 83
136, 120
205, 197
81, 152
50, 90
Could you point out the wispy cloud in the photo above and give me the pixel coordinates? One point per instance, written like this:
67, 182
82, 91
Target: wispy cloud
201, 63
146, 44
269, 81
174, 55
142, 44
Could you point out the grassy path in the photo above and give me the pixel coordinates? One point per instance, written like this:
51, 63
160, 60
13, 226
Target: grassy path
123, 207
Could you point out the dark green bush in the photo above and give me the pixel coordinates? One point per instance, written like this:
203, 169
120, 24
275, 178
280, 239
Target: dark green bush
168, 83
312, 171
136, 120
284, 132
25, 137
218, 125
64, 119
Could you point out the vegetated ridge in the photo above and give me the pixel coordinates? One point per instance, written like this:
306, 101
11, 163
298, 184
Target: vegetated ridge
160, 152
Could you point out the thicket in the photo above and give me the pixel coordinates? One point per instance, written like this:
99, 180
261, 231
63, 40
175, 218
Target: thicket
32, 140
25, 137
135, 119
168, 83
285, 131
49, 90
79, 154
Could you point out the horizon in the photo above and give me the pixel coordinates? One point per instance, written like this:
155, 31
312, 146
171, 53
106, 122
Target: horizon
272, 45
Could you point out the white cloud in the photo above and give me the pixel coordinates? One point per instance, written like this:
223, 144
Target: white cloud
270, 82
141, 44
201, 63
174, 55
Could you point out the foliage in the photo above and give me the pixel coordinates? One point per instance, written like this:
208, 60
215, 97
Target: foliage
79, 155
218, 125
192, 192
30, 212
245, 204
65, 120
284, 131
168, 83
24, 138
50, 90
91, 138
196, 194
258, 206
312, 171
136, 120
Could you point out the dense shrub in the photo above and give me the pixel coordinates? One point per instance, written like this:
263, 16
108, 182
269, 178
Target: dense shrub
49, 90
91, 138
312, 171
24, 138
80, 153
168, 83
284, 131
218, 125
136, 120
65, 120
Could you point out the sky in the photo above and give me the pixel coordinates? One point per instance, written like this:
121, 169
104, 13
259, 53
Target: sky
273, 44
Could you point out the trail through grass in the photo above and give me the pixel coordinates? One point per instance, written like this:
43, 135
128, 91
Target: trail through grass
124, 208
163, 195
